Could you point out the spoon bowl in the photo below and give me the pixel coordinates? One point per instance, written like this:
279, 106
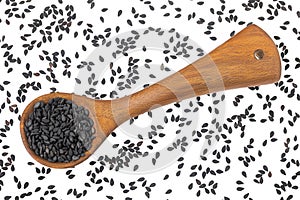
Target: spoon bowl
250, 58
78, 100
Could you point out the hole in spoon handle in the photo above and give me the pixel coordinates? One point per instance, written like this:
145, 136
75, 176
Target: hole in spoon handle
259, 54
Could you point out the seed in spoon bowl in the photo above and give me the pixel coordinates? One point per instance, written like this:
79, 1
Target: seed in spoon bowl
59, 131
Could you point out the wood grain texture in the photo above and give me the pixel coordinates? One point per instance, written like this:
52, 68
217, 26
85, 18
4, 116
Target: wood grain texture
231, 65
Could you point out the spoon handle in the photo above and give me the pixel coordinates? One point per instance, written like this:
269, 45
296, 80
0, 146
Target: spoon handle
249, 58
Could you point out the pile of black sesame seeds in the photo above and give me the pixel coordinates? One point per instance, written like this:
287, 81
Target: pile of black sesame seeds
59, 131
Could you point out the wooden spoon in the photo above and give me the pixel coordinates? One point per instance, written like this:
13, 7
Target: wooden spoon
249, 58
